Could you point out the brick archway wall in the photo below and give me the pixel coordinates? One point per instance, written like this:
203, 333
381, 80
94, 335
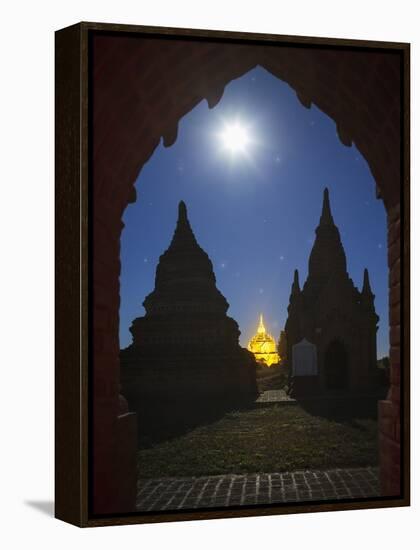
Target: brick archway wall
141, 89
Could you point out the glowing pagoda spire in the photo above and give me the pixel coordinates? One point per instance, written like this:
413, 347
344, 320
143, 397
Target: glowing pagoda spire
261, 327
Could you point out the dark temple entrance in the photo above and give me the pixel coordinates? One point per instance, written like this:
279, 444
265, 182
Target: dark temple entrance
336, 366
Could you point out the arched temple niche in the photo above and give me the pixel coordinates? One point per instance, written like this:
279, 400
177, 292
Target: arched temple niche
141, 88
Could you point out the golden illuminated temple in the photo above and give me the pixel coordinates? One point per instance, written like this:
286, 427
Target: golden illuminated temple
263, 346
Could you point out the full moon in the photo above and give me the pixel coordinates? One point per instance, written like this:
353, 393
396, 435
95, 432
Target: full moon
235, 137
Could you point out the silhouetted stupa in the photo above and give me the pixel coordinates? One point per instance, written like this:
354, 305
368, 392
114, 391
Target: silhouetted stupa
331, 313
185, 361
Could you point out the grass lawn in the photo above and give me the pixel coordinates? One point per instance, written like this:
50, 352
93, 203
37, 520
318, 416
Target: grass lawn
267, 439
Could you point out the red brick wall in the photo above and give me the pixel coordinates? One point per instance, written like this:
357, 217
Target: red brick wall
142, 87
389, 410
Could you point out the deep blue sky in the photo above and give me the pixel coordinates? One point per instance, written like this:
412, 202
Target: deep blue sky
255, 214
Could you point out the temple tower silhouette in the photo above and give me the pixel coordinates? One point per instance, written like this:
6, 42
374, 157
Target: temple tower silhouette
330, 312
185, 362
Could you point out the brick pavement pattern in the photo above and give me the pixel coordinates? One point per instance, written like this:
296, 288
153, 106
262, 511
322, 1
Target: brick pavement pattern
275, 396
241, 490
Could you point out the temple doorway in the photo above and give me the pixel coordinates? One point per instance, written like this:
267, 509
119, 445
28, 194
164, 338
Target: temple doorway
336, 366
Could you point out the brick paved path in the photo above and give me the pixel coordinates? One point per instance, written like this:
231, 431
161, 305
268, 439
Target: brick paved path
275, 396
235, 490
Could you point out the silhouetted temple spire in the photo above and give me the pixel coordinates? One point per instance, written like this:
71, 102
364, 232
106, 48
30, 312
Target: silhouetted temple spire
326, 216
183, 235
295, 285
366, 284
367, 296
327, 255
295, 292
185, 279
182, 211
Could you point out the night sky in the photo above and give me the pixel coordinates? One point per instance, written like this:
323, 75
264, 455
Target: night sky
255, 212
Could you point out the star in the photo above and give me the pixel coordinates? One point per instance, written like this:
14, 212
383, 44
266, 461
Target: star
281, 258
379, 245
261, 291
145, 260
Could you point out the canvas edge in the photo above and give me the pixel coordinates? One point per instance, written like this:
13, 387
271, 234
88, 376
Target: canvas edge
70, 281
